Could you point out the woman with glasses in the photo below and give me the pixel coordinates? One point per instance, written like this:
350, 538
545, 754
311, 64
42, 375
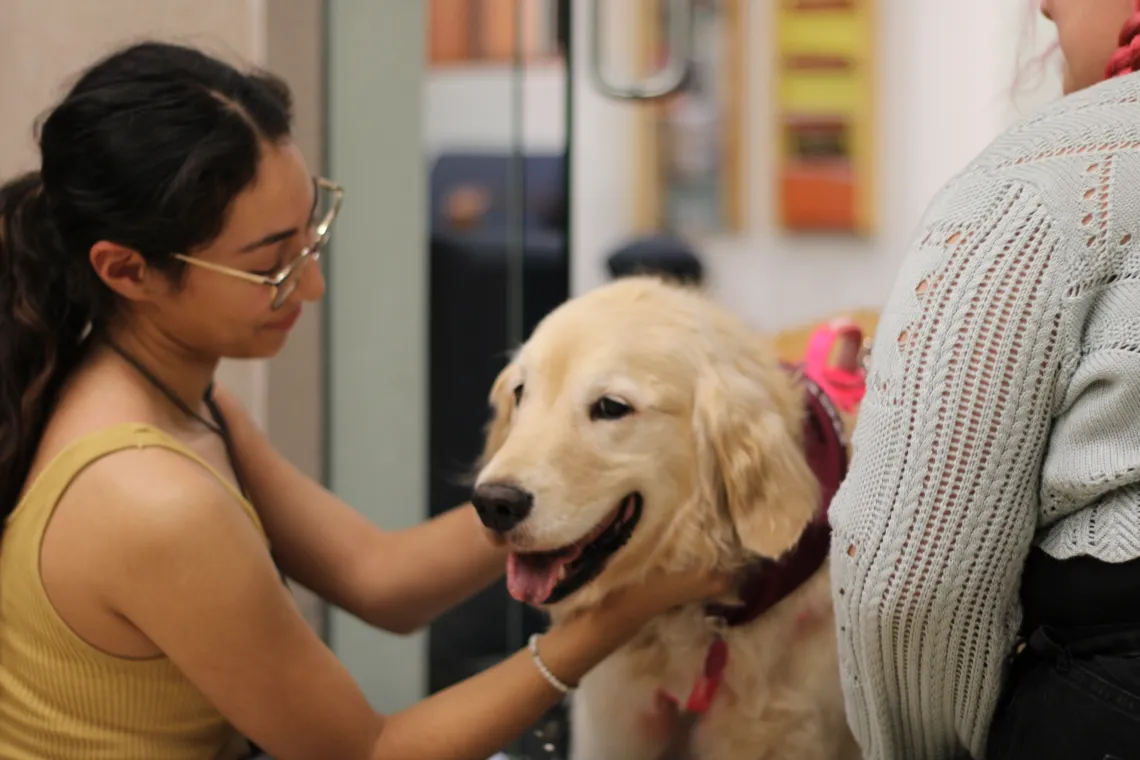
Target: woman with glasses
147, 524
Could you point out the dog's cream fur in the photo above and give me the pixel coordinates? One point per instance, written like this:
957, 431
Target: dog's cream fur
714, 447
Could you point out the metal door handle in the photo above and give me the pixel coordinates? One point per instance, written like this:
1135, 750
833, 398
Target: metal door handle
667, 80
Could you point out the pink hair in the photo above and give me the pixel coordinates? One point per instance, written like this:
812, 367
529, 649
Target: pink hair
1126, 59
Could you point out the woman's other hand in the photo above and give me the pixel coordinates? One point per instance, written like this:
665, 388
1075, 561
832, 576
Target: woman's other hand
663, 591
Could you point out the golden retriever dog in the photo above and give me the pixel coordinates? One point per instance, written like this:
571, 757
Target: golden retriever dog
643, 427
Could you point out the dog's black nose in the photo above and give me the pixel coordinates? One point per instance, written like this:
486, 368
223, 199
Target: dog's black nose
501, 506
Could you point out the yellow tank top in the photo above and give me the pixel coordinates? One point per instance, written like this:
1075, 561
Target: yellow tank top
61, 698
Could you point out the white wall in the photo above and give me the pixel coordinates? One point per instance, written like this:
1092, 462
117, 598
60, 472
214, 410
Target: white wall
472, 108
938, 106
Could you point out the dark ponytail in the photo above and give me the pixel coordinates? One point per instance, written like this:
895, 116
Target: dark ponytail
42, 318
148, 150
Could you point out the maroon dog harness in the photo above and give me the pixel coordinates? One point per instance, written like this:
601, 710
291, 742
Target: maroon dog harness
770, 581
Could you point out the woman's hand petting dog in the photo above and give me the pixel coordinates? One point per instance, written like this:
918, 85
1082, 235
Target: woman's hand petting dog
663, 591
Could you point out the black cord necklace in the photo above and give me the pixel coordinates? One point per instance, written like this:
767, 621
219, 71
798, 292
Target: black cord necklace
165, 390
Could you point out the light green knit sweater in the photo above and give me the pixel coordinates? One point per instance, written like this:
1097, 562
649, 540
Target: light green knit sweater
1003, 410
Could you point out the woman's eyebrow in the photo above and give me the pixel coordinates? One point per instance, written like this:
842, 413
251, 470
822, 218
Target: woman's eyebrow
270, 239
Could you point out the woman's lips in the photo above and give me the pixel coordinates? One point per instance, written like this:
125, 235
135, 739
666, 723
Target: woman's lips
285, 323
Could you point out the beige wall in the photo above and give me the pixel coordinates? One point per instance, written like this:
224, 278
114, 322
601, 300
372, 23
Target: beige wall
44, 44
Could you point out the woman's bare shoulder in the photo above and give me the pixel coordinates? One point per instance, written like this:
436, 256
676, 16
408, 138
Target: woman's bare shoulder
151, 492
148, 510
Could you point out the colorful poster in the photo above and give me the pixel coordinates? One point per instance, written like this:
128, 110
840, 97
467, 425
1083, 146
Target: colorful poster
824, 115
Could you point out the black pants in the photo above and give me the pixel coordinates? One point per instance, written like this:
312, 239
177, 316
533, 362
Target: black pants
1072, 694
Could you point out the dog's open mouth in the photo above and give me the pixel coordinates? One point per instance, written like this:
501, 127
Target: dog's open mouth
551, 576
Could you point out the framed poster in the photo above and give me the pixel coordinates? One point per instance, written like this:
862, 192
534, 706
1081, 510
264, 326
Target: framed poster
824, 115
692, 153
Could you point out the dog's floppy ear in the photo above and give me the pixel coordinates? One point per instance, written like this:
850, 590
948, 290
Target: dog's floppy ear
502, 402
750, 438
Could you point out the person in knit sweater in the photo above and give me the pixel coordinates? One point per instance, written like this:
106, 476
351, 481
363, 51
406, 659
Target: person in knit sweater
986, 545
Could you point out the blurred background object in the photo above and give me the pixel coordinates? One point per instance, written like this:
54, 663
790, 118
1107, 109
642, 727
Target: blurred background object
665, 255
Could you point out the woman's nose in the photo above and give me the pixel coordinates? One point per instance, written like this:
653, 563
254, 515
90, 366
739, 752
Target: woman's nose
312, 285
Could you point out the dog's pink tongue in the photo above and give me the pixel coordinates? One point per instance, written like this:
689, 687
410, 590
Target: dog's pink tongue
531, 578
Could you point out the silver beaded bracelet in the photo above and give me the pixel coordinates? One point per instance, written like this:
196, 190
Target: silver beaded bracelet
551, 679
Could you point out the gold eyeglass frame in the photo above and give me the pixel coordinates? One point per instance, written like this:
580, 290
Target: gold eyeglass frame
310, 253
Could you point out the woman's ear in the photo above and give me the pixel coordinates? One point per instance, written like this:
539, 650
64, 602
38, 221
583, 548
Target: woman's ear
749, 433
124, 271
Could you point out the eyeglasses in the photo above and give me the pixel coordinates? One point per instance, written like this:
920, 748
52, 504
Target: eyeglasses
285, 281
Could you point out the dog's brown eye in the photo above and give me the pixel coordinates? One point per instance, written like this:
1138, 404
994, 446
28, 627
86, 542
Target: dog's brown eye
607, 408
518, 393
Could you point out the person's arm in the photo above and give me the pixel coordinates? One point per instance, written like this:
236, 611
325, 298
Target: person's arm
396, 580
183, 563
934, 520
485, 712
186, 566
